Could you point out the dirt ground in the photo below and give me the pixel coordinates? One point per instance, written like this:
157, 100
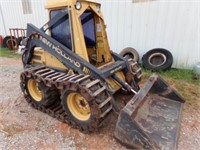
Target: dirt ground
22, 127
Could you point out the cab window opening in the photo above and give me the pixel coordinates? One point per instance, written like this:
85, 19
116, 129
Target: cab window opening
61, 30
88, 25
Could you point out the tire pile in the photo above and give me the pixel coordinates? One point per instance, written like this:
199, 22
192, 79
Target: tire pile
157, 59
12, 42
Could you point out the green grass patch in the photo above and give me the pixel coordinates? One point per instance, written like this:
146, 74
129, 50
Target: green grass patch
184, 81
177, 75
4, 52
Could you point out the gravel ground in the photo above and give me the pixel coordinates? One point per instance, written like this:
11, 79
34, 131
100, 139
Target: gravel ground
22, 127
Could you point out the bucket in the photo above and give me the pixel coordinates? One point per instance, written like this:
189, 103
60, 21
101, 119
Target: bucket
152, 118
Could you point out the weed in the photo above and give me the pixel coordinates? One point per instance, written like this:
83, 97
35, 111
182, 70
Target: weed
178, 75
183, 80
4, 52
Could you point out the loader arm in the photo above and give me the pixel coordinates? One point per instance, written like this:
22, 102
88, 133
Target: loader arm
37, 38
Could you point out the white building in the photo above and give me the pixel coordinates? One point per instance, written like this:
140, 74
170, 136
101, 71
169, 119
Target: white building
142, 24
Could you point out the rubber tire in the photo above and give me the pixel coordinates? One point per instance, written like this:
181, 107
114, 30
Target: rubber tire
50, 95
167, 65
9, 44
71, 116
130, 51
5, 41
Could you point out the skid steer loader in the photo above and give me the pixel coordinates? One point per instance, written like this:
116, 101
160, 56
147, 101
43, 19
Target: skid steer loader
71, 74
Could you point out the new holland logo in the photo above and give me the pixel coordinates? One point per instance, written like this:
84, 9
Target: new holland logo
59, 51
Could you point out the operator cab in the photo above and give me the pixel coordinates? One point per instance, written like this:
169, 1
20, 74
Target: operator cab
82, 30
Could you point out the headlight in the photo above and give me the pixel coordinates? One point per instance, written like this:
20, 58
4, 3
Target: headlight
78, 5
98, 8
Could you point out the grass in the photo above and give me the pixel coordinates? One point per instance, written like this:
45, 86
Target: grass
184, 82
178, 75
4, 52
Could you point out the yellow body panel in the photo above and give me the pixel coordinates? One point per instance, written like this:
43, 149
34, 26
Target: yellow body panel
78, 39
42, 57
115, 85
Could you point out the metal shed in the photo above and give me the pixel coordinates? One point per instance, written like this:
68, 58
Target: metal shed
142, 24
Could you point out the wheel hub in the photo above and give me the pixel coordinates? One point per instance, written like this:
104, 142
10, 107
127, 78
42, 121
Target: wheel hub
78, 106
34, 90
157, 59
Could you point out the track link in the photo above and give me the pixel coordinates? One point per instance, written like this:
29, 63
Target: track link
96, 92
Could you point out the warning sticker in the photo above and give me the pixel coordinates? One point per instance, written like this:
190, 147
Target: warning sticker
98, 27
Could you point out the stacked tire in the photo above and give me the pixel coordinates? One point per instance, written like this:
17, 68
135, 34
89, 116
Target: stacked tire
158, 59
130, 53
12, 42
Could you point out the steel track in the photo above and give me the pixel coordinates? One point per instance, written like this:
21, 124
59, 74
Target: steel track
93, 89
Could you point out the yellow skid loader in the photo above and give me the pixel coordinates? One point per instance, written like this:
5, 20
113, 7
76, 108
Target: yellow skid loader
71, 74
